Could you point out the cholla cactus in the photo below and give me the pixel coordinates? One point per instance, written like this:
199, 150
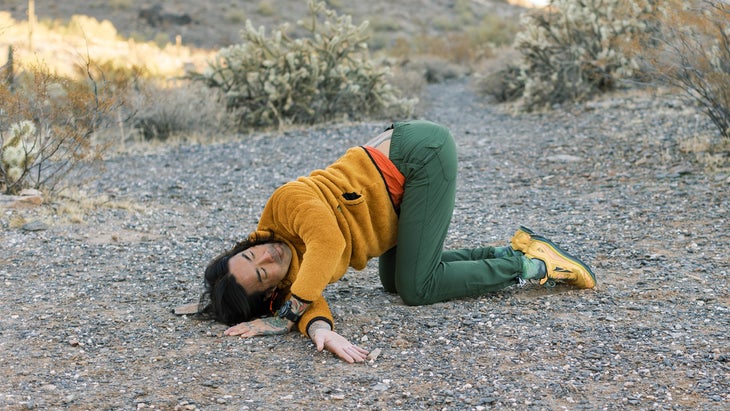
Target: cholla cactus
19, 151
276, 79
576, 48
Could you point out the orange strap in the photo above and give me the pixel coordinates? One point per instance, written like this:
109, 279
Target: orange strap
394, 180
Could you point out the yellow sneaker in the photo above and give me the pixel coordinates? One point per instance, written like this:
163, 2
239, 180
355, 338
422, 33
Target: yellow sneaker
521, 240
561, 266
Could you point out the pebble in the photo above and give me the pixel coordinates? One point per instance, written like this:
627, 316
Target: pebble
35, 225
373, 354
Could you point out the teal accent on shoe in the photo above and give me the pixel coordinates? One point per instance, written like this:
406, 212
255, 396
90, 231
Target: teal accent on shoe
533, 268
527, 230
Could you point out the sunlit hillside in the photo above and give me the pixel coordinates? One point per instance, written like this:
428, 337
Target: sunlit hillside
64, 48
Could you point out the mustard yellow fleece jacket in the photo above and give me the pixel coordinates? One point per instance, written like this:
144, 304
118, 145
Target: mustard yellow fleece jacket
333, 219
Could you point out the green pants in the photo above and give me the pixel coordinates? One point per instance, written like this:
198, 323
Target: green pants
417, 268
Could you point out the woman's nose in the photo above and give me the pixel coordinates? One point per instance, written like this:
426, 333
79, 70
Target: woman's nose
266, 256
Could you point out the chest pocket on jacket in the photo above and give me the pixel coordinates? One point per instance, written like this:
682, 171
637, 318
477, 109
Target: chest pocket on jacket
352, 200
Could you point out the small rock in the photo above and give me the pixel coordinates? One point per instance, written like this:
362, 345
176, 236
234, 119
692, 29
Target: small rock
21, 201
373, 355
35, 225
680, 170
564, 158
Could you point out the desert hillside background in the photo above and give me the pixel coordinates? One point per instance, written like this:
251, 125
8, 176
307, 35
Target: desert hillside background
186, 32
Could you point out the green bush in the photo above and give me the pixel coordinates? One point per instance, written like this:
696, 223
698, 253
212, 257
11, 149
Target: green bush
574, 49
325, 75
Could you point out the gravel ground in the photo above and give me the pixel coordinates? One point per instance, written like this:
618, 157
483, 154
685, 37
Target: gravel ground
85, 321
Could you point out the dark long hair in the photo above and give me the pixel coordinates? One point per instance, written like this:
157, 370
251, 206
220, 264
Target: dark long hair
226, 301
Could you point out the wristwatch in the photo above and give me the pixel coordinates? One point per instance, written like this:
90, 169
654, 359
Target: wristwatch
286, 312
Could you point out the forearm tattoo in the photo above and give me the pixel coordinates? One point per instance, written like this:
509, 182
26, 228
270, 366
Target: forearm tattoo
272, 326
298, 307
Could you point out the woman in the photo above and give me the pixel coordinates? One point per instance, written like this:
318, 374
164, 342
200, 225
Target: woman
392, 198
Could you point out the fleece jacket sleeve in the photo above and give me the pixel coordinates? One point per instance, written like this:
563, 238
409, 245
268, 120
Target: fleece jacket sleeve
321, 262
318, 310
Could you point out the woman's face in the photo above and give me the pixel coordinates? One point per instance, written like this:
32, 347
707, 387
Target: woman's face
261, 267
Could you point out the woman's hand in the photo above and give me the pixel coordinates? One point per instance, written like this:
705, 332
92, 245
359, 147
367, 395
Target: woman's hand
261, 326
324, 338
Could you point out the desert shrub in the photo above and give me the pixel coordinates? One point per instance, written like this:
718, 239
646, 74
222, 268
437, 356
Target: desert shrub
504, 84
266, 8
47, 125
236, 16
696, 56
160, 110
324, 75
574, 49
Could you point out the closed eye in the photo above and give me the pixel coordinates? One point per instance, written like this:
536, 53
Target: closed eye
250, 257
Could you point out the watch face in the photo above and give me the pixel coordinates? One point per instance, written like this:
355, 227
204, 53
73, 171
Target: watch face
286, 312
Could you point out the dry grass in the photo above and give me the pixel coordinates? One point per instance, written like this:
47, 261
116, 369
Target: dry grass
159, 110
714, 155
16, 220
70, 206
73, 205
